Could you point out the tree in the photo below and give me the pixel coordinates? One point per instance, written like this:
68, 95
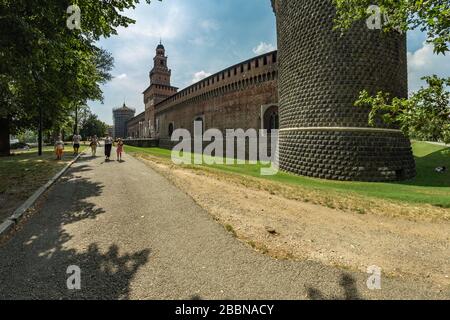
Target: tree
92, 126
46, 68
431, 16
426, 114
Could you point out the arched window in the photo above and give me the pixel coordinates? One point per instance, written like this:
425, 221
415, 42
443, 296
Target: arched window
271, 119
202, 122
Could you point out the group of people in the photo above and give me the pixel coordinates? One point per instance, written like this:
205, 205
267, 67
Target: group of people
94, 143
59, 146
109, 143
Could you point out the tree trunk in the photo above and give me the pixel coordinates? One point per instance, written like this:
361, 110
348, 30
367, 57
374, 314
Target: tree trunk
40, 129
75, 129
5, 147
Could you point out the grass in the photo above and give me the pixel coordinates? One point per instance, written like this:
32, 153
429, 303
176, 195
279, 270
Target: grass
428, 187
23, 173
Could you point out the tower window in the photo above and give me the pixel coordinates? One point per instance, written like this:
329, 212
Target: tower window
257, 63
271, 119
249, 66
242, 68
265, 60
274, 57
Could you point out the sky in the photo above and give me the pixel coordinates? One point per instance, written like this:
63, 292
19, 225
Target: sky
202, 37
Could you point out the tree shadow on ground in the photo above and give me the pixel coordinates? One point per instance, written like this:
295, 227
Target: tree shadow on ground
34, 263
348, 284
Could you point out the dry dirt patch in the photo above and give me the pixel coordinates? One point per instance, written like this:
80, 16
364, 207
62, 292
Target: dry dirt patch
275, 223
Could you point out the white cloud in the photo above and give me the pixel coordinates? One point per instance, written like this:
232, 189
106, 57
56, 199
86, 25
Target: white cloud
125, 82
172, 22
121, 76
209, 25
134, 55
200, 76
264, 48
198, 41
424, 62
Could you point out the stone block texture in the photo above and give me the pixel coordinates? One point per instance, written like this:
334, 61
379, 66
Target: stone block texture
321, 73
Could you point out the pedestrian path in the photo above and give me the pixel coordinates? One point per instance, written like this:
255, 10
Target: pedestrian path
136, 236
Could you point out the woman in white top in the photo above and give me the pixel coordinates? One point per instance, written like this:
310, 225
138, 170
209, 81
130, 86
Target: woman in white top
108, 146
76, 144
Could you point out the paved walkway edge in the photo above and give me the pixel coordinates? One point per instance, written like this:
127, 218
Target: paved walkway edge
19, 213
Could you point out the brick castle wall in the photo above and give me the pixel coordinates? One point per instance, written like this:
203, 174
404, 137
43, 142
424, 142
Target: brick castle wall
135, 127
233, 98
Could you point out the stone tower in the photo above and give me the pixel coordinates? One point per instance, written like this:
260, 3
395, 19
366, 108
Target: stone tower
321, 72
159, 89
121, 116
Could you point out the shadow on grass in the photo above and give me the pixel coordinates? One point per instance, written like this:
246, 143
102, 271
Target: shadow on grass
34, 262
426, 174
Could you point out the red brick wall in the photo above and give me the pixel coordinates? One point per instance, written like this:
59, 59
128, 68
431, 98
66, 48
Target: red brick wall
232, 98
134, 128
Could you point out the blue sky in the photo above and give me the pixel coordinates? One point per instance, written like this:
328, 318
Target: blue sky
204, 36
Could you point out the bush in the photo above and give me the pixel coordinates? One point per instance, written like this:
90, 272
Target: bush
19, 145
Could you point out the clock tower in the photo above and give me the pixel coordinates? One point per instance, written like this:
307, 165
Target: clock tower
159, 89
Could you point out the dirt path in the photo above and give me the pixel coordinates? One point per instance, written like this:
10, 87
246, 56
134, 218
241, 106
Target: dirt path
134, 235
292, 229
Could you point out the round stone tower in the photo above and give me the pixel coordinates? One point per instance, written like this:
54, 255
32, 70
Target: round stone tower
321, 72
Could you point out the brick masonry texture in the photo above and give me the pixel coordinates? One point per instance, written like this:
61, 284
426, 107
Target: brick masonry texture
121, 118
320, 76
230, 99
135, 126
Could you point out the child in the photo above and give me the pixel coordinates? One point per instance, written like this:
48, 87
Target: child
119, 149
59, 148
94, 144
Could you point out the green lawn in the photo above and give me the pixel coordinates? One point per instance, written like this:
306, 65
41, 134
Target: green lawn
428, 187
25, 172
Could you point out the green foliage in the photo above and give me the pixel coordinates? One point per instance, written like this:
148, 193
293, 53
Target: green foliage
46, 66
426, 115
431, 16
27, 136
92, 126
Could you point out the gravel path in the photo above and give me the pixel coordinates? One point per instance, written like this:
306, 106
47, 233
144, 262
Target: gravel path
136, 236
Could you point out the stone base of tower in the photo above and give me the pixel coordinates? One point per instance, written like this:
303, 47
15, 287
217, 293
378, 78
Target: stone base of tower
347, 155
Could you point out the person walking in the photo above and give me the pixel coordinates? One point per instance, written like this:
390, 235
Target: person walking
76, 144
108, 146
119, 149
59, 148
94, 144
